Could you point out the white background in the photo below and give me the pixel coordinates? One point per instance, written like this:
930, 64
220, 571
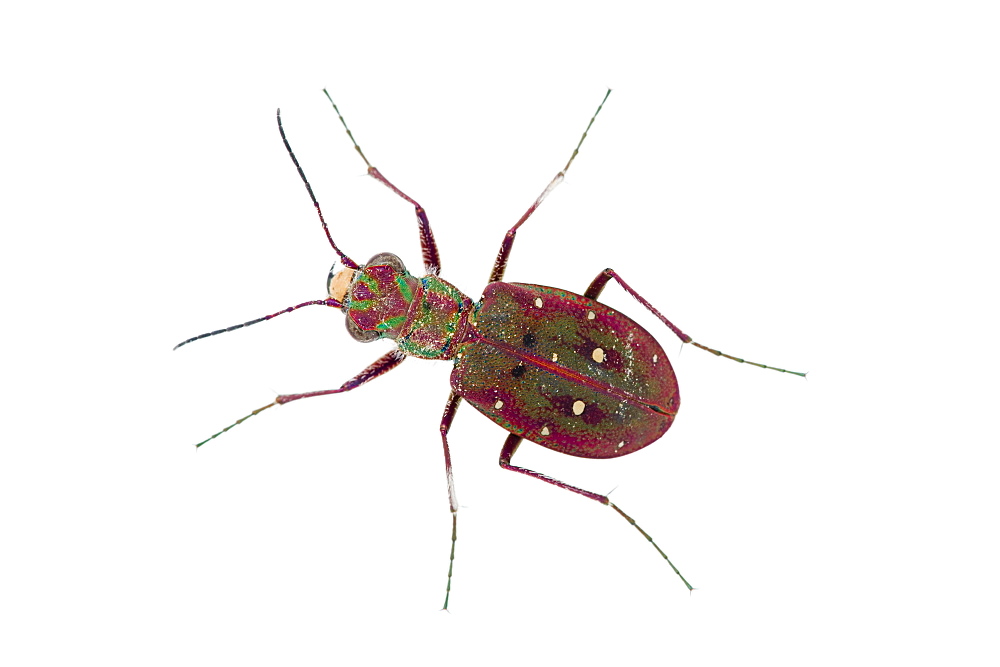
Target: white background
813, 188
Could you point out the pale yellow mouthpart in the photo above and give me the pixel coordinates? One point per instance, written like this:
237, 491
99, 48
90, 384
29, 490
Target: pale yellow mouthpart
341, 281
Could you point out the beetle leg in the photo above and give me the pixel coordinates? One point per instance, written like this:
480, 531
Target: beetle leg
604, 276
500, 265
601, 281
384, 364
511, 445
432, 259
449, 414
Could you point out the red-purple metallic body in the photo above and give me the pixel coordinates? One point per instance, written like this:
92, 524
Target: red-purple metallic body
565, 371
548, 365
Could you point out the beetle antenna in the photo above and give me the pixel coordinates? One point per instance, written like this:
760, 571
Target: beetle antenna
348, 262
319, 302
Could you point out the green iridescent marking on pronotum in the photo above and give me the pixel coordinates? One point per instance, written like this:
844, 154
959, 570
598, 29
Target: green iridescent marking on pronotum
424, 352
433, 285
439, 287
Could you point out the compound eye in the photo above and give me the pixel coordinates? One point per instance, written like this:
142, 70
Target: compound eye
387, 259
359, 334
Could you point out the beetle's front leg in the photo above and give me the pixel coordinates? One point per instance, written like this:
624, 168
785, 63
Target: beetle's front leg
383, 364
432, 259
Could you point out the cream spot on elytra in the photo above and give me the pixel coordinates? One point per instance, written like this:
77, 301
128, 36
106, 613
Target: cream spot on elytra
545, 430
538, 302
578, 407
598, 355
498, 405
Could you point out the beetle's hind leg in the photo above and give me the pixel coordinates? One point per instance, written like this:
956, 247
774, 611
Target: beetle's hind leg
602, 279
511, 445
454, 400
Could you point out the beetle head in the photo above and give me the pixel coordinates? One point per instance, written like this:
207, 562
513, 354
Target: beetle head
375, 297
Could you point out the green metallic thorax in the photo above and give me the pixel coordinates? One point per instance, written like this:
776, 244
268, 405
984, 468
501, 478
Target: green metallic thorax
423, 315
437, 317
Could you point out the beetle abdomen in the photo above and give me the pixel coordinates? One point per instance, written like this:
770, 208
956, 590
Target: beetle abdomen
565, 371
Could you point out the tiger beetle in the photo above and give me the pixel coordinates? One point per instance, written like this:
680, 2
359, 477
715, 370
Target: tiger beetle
548, 365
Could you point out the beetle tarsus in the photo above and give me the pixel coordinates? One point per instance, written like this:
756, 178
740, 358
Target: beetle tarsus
236, 423
655, 546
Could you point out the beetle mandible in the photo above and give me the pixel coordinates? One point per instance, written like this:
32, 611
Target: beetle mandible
548, 365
